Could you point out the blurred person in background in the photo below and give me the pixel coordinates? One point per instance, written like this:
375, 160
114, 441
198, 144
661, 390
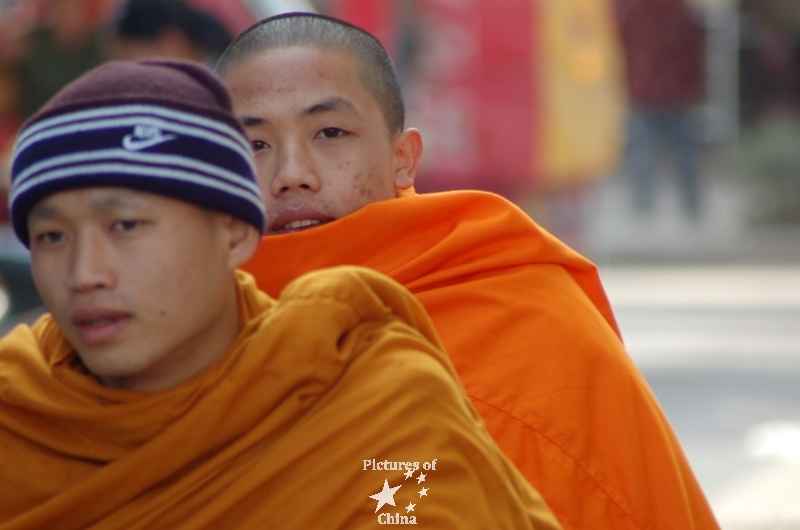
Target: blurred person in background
59, 40
664, 43
168, 29
44, 44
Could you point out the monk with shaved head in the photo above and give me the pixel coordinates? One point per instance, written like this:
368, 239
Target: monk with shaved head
523, 318
327, 129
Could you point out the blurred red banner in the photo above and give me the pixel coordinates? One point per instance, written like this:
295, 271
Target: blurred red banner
506, 95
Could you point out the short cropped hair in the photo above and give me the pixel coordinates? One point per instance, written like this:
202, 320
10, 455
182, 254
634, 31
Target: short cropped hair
376, 69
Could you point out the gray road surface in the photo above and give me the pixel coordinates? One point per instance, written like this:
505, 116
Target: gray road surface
720, 346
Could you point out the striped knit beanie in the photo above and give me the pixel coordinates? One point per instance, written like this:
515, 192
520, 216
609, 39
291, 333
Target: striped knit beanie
164, 127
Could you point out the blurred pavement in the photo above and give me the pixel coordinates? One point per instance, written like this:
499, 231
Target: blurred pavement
613, 233
709, 309
720, 346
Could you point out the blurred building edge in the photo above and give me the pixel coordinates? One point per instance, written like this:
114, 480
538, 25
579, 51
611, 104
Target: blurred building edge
168, 29
769, 81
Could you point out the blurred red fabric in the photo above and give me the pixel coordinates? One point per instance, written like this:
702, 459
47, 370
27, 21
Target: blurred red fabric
664, 46
473, 86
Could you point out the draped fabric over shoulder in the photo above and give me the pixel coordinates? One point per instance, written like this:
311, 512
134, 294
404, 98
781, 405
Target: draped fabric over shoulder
530, 332
312, 419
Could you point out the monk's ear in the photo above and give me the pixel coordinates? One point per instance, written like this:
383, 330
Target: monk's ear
407, 151
242, 239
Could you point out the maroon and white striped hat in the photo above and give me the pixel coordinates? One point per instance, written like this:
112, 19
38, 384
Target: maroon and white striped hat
166, 127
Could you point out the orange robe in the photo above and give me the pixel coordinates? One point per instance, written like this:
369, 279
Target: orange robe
529, 330
300, 425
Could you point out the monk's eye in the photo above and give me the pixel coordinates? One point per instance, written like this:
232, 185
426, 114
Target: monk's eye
50, 237
331, 132
258, 145
127, 225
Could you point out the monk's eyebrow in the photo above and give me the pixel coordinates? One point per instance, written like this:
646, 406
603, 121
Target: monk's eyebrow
117, 201
334, 103
43, 212
328, 105
105, 203
252, 121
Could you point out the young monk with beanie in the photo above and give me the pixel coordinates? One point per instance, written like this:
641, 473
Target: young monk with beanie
164, 391
524, 319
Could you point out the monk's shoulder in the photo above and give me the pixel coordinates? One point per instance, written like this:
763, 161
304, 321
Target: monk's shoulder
366, 292
346, 282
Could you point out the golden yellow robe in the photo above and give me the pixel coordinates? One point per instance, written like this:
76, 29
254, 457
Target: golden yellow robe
298, 426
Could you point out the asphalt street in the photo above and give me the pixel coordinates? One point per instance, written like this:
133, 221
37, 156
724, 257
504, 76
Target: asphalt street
720, 347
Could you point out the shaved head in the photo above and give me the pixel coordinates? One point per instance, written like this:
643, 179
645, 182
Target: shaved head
376, 70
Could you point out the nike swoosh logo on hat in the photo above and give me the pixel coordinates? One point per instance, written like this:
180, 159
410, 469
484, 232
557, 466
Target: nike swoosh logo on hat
132, 143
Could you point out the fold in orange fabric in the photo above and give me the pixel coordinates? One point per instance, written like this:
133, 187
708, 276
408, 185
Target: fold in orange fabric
334, 408
530, 332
